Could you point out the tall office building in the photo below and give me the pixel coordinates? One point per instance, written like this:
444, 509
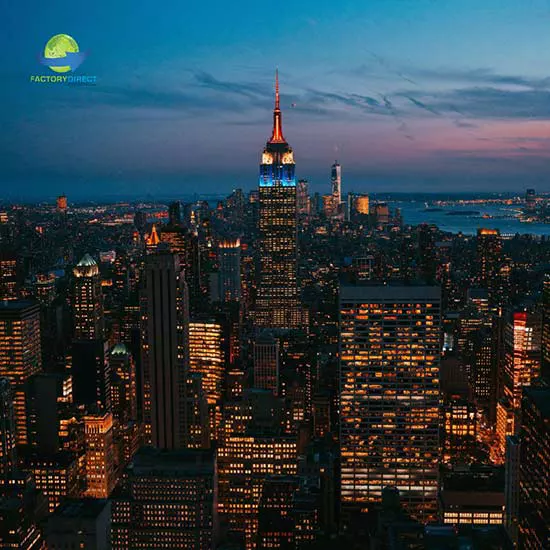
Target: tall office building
389, 395
490, 260
88, 300
302, 198
123, 384
277, 304
168, 501
362, 205
336, 185
20, 355
229, 253
8, 452
489, 250
126, 428
266, 362
534, 501
56, 476
521, 365
545, 344
206, 359
100, 465
79, 523
512, 486
8, 275
165, 350
174, 213
254, 446
91, 372
61, 203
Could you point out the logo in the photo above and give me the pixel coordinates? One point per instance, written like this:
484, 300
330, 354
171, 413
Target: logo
62, 55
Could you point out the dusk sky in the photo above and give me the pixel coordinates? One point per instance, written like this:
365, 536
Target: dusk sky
408, 95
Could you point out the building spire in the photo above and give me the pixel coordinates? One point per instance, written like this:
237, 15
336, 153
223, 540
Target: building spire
277, 105
277, 135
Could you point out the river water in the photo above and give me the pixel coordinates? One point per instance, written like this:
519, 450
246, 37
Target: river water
414, 213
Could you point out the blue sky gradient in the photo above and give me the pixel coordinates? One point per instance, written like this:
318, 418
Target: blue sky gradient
409, 95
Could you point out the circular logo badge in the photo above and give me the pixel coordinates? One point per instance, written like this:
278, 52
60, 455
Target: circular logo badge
57, 47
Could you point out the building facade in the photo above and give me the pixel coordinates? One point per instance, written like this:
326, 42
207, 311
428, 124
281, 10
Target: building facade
389, 395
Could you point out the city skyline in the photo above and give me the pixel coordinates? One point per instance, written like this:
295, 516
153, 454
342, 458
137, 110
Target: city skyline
469, 114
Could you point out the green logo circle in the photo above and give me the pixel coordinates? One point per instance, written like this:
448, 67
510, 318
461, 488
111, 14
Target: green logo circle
58, 46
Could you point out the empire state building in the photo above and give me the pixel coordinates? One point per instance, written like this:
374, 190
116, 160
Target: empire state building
277, 304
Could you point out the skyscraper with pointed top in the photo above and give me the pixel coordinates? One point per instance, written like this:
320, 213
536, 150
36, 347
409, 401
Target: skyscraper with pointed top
277, 299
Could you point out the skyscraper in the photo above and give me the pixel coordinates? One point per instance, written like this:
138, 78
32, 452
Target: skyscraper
91, 373
165, 351
8, 453
389, 395
88, 300
8, 275
100, 465
206, 359
302, 198
545, 339
169, 501
534, 504
20, 355
521, 365
489, 257
266, 362
336, 185
230, 270
277, 303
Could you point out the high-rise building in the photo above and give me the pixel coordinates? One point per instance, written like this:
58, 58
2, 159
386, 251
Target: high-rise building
44, 288
100, 465
61, 203
389, 395
88, 300
20, 355
362, 205
336, 184
534, 501
206, 359
91, 372
229, 253
521, 365
545, 343
56, 476
17, 529
46, 394
302, 198
512, 486
266, 362
8, 452
165, 350
168, 501
174, 213
123, 384
185, 244
254, 447
79, 523
126, 429
277, 304
9, 287
489, 259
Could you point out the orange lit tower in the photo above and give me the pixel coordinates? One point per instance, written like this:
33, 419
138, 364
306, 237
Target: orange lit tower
20, 355
277, 300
